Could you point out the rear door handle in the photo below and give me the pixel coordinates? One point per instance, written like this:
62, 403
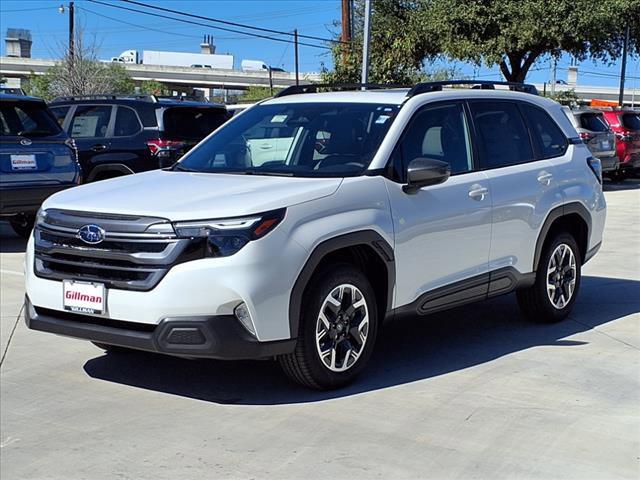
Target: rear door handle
478, 192
545, 177
99, 147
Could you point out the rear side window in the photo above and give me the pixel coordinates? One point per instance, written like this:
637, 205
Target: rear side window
127, 122
503, 136
549, 139
192, 123
593, 121
60, 113
631, 121
90, 121
27, 119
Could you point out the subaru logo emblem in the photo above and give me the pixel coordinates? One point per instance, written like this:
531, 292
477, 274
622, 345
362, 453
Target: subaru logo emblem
92, 234
25, 142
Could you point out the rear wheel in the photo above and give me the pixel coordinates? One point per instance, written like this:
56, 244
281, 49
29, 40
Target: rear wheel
554, 292
22, 224
338, 329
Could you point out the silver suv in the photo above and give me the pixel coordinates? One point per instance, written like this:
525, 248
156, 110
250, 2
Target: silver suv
596, 134
300, 226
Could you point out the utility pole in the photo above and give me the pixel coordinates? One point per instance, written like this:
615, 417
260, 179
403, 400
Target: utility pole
295, 41
623, 69
71, 30
270, 82
553, 76
346, 21
365, 43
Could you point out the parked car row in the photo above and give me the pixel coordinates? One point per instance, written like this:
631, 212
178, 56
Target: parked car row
612, 135
112, 136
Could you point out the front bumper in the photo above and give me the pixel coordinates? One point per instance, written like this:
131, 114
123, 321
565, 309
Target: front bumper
219, 336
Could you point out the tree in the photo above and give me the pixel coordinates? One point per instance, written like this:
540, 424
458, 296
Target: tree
513, 34
81, 74
398, 51
255, 94
154, 87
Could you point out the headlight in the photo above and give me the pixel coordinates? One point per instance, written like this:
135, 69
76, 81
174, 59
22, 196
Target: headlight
224, 237
41, 217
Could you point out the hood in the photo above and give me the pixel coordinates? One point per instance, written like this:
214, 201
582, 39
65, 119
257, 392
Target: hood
192, 196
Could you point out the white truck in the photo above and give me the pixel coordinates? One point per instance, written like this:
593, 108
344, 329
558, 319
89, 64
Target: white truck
183, 59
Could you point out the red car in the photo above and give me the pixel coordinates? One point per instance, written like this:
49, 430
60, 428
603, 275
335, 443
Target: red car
626, 125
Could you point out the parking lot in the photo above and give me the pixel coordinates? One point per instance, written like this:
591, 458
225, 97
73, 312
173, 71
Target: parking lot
476, 392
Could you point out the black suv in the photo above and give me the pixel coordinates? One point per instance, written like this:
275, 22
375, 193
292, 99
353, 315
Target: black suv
118, 135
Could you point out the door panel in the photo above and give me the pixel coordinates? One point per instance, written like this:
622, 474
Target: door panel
442, 234
90, 127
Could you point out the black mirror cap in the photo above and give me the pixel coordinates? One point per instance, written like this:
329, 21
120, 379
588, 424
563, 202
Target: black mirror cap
423, 172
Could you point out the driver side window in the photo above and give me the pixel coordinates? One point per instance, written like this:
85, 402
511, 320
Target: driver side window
438, 132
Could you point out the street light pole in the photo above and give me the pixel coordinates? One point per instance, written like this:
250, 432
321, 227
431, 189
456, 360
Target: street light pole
365, 43
295, 41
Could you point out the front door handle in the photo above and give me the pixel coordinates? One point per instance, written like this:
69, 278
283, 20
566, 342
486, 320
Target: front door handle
99, 147
478, 192
545, 177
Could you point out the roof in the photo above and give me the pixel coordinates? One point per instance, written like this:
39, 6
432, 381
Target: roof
19, 98
135, 100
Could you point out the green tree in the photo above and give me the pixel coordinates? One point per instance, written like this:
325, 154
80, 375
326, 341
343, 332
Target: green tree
513, 34
565, 97
154, 87
255, 94
398, 51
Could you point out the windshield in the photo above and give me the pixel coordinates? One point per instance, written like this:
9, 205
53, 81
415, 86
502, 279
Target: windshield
29, 119
631, 121
299, 139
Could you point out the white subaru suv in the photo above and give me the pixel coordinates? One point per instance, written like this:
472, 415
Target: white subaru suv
297, 228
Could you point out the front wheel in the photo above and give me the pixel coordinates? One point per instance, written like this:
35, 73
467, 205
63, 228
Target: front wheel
338, 329
552, 296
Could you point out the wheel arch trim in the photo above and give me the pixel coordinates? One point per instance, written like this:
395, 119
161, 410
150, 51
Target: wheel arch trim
555, 214
368, 238
108, 167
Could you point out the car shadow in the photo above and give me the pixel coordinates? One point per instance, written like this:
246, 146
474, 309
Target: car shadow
628, 184
409, 350
9, 241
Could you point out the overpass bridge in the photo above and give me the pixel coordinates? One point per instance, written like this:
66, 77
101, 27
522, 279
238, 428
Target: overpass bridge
13, 67
181, 77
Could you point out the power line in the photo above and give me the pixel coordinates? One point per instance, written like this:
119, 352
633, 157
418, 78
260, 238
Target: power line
225, 22
257, 35
27, 9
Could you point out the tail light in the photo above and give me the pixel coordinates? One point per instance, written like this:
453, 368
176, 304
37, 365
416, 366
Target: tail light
624, 136
71, 143
586, 137
158, 146
596, 167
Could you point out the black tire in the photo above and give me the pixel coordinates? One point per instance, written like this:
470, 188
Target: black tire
22, 225
111, 348
304, 365
535, 301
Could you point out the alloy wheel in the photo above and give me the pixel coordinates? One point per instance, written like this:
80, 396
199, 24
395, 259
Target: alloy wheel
561, 276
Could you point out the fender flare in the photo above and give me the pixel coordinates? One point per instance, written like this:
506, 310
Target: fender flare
362, 237
108, 167
555, 214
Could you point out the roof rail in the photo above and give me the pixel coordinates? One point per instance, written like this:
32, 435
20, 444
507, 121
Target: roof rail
180, 98
146, 98
427, 87
313, 87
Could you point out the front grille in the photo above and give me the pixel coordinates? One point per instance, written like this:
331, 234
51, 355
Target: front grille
128, 258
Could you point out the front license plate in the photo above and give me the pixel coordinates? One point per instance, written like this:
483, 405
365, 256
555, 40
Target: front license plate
23, 162
82, 297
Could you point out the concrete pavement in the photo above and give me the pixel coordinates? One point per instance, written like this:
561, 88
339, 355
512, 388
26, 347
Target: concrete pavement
476, 392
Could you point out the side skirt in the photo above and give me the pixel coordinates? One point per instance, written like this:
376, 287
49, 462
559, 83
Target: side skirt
475, 289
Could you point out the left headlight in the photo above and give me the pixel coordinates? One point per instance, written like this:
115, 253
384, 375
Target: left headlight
41, 217
224, 237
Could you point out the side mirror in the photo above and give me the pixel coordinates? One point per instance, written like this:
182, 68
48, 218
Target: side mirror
423, 172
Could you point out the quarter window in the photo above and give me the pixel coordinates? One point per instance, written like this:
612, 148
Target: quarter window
90, 121
503, 136
127, 123
60, 113
437, 132
548, 137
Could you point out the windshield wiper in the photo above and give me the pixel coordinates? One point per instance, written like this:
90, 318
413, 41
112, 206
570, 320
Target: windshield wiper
181, 168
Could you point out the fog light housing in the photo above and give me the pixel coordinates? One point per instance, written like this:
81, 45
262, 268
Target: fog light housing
244, 317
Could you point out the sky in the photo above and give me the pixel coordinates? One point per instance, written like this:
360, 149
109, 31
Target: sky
116, 30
